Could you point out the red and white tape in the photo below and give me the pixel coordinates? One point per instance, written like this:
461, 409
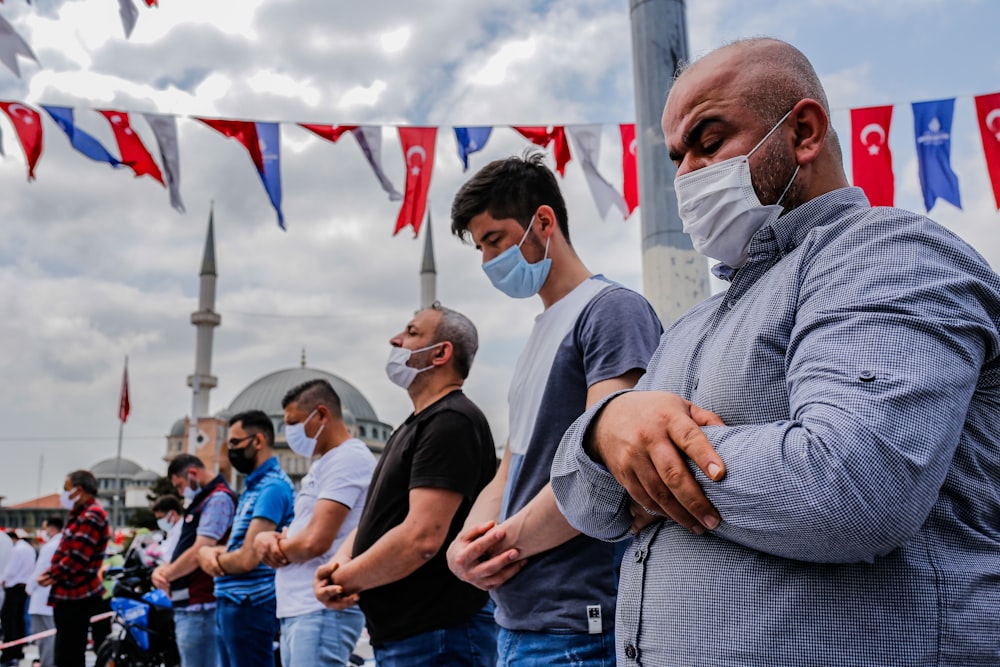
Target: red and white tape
49, 633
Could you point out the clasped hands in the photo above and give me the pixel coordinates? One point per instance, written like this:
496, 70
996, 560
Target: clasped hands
328, 591
644, 439
267, 546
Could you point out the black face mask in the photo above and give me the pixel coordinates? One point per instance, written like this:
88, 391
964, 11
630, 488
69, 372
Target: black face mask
243, 459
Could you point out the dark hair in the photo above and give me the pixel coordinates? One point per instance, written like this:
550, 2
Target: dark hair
85, 480
458, 330
314, 392
254, 422
167, 503
55, 522
182, 463
511, 188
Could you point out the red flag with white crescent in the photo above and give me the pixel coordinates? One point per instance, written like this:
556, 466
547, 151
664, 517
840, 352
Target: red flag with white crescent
124, 406
243, 131
418, 152
28, 124
988, 113
630, 166
133, 152
870, 156
543, 136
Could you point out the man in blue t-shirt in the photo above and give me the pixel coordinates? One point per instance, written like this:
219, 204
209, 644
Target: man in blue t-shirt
245, 618
554, 588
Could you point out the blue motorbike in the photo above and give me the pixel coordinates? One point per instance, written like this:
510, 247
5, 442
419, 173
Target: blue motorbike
144, 620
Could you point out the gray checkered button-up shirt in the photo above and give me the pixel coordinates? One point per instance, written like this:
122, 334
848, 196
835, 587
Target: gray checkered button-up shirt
855, 359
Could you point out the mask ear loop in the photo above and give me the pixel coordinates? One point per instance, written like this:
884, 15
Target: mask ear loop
770, 132
526, 230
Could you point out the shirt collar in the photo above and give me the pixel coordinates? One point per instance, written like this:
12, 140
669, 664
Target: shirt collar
787, 232
262, 470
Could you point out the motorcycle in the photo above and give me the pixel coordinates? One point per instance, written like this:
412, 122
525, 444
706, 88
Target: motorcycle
144, 620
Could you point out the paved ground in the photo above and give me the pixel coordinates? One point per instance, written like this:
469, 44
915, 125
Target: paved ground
363, 649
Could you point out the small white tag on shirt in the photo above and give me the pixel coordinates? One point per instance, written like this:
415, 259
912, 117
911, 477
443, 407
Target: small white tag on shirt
594, 624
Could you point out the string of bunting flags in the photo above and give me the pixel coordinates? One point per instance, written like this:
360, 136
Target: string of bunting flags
871, 157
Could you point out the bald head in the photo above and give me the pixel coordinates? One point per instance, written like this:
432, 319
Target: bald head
774, 75
724, 103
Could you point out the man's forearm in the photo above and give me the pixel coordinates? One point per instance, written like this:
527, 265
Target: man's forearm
397, 554
537, 527
187, 562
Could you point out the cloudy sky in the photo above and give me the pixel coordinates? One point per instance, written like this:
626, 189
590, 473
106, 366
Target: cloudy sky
95, 265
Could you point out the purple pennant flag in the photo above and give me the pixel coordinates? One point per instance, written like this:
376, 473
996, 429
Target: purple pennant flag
164, 128
12, 46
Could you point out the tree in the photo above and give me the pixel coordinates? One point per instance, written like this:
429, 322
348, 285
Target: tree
161, 487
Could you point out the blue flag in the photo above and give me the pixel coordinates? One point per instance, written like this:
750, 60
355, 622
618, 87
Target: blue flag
270, 149
471, 140
80, 140
932, 126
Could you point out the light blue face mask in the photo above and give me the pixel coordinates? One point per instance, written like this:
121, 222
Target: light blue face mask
511, 273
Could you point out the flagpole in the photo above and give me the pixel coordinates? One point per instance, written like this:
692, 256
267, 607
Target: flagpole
116, 499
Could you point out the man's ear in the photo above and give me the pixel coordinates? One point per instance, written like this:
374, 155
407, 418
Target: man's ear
444, 353
545, 221
810, 124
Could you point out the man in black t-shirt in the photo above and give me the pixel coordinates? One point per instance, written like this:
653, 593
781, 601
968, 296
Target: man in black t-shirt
432, 469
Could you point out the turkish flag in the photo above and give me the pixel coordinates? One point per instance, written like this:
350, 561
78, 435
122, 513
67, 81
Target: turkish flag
244, 131
988, 113
28, 124
630, 168
133, 152
871, 159
124, 406
543, 136
418, 151
328, 132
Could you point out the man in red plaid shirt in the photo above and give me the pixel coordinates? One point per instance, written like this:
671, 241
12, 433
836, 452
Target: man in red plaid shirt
75, 572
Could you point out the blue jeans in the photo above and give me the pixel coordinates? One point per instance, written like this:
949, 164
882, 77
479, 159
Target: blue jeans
195, 632
324, 637
518, 648
245, 633
471, 644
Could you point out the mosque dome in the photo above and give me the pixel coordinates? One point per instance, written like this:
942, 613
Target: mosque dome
266, 393
109, 467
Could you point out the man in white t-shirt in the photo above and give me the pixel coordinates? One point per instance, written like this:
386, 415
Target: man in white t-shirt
327, 509
38, 603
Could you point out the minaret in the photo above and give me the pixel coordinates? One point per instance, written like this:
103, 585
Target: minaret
205, 319
428, 274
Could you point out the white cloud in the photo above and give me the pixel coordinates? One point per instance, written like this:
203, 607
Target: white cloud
367, 96
394, 41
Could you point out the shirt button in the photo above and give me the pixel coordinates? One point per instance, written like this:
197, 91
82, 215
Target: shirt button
866, 376
639, 555
630, 651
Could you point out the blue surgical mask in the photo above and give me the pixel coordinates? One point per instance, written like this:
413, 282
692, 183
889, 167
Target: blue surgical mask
511, 273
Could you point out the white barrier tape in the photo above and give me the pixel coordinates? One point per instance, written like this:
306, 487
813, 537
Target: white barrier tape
49, 633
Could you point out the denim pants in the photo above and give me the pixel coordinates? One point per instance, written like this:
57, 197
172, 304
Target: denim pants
245, 633
195, 631
518, 648
324, 637
471, 644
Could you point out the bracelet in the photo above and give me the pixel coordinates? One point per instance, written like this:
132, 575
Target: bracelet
218, 561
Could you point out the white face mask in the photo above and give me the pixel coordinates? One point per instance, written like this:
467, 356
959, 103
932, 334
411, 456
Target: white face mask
66, 500
397, 370
720, 209
298, 441
190, 492
164, 524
